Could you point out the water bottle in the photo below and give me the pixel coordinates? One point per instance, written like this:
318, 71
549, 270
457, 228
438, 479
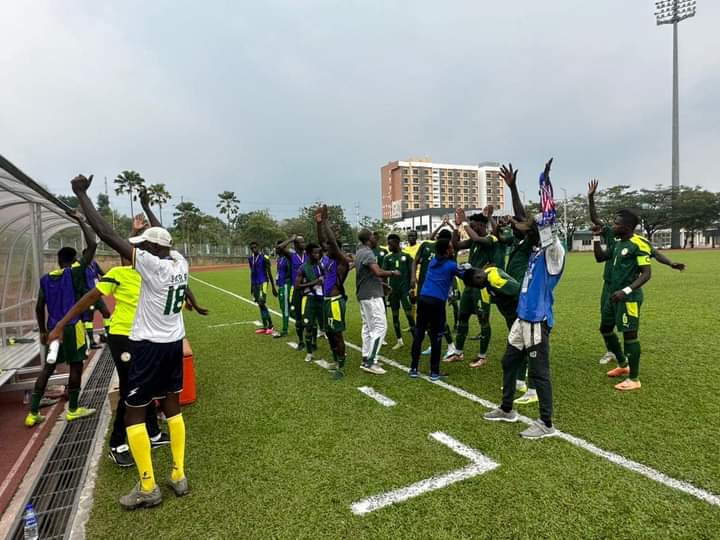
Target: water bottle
31, 531
53, 351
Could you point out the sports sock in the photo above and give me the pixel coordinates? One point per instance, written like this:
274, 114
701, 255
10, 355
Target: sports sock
462, 332
73, 397
176, 427
396, 323
485, 335
632, 352
106, 324
89, 329
35, 402
448, 335
139, 443
613, 345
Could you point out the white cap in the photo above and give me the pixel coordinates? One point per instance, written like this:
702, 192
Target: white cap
154, 235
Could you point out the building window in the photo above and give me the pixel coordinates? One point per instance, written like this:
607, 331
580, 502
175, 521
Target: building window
405, 171
586, 242
405, 180
465, 175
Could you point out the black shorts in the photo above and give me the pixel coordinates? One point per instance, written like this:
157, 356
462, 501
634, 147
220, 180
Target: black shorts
156, 370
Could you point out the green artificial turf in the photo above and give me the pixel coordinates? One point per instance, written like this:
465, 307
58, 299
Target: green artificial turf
277, 449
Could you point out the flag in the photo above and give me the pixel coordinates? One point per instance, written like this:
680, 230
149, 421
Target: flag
547, 201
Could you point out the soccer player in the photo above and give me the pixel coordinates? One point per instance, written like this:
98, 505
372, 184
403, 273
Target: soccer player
434, 292
59, 290
296, 258
400, 286
530, 334
309, 283
156, 371
502, 288
607, 236
370, 293
284, 289
482, 250
380, 250
260, 276
630, 270
334, 303
93, 273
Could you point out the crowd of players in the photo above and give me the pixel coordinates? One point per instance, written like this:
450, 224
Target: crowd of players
514, 262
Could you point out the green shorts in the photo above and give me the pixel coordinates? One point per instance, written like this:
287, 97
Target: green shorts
312, 311
625, 315
334, 314
259, 293
469, 300
399, 298
72, 349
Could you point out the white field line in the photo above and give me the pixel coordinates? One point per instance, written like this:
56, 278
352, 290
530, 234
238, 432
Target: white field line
617, 459
324, 364
377, 396
234, 324
480, 464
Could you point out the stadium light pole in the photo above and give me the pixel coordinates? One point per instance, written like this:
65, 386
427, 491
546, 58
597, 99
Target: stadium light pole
673, 12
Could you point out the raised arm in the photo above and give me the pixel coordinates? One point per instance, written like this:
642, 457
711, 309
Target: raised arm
104, 230
445, 223
509, 176
284, 248
89, 235
592, 189
145, 203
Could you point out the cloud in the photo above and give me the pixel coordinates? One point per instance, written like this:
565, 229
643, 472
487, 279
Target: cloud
288, 102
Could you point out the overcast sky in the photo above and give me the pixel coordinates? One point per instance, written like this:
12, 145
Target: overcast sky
287, 102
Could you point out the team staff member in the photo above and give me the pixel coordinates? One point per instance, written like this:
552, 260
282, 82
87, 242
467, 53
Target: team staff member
260, 276
158, 330
400, 286
58, 291
530, 335
371, 295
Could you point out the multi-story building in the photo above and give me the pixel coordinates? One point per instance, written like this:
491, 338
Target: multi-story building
419, 184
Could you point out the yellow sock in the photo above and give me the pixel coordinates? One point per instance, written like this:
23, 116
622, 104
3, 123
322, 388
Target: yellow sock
139, 443
176, 427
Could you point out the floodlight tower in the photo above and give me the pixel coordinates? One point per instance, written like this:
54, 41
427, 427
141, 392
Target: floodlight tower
672, 12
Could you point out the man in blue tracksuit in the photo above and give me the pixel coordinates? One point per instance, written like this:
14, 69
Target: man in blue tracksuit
530, 334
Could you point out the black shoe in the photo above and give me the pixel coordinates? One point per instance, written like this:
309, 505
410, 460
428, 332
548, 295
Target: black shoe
94, 345
301, 347
103, 338
121, 456
161, 439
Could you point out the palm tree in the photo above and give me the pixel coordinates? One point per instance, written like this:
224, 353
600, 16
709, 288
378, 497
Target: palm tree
159, 195
128, 182
187, 217
228, 204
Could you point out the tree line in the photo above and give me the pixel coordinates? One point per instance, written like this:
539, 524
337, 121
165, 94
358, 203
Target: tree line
695, 209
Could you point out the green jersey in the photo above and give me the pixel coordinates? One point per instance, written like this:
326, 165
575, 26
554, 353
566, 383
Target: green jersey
425, 254
402, 263
380, 253
627, 258
517, 262
505, 239
482, 254
609, 237
502, 287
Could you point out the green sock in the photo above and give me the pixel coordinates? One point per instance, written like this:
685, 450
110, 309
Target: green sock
74, 396
632, 352
612, 343
485, 335
462, 332
396, 324
35, 402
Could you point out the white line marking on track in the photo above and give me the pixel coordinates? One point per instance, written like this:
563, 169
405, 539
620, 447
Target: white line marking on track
622, 461
377, 396
480, 464
325, 364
